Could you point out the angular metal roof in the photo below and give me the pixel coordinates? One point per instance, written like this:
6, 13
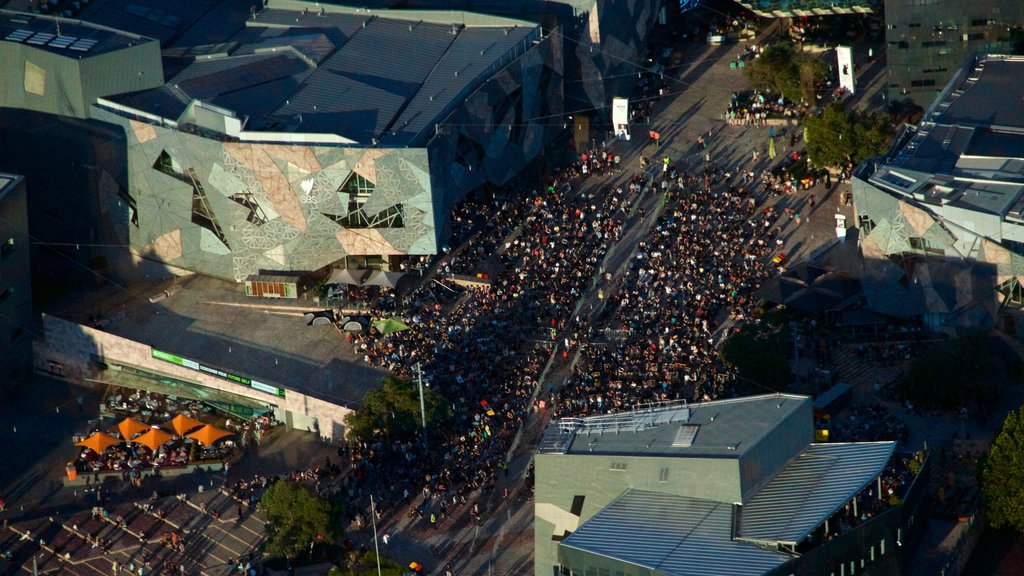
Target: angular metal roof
467, 59
674, 535
810, 489
352, 74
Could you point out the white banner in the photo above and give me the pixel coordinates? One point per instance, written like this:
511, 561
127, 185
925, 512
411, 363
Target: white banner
620, 117
844, 55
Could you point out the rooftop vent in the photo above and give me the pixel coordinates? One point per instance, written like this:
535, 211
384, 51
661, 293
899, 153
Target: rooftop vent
685, 436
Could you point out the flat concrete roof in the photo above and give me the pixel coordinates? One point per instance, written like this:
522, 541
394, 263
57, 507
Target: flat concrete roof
720, 428
213, 322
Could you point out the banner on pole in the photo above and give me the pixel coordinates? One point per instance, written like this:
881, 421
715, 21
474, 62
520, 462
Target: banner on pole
844, 56
620, 117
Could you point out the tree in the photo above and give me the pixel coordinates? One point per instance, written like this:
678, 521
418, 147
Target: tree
1002, 474
757, 354
394, 410
836, 138
782, 70
951, 373
296, 519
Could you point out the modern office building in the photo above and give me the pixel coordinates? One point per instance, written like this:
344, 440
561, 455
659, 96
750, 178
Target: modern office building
941, 216
282, 140
725, 487
15, 284
927, 41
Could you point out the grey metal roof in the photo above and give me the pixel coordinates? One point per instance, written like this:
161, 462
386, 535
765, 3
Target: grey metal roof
154, 18
471, 54
674, 535
813, 486
62, 36
360, 76
726, 428
980, 97
162, 101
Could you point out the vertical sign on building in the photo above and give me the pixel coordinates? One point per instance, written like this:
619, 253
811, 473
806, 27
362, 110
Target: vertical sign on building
620, 117
844, 55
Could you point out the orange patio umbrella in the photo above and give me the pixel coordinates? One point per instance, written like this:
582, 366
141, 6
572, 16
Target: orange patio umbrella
182, 424
209, 434
130, 427
154, 438
99, 442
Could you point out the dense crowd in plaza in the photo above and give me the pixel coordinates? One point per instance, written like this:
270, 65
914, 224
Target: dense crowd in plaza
708, 249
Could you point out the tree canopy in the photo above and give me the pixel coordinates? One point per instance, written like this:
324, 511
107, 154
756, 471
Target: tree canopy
296, 519
1002, 474
780, 69
393, 410
756, 351
951, 373
836, 138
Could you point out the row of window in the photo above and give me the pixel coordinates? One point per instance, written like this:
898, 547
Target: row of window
953, 26
621, 467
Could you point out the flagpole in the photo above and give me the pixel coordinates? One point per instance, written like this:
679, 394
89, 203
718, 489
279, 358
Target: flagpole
373, 520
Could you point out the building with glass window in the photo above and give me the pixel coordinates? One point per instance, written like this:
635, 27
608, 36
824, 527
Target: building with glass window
15, 283
929, 39
724, 487
942, 214
282, 140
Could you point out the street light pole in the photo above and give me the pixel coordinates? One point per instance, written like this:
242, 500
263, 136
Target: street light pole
423, 406
376, 547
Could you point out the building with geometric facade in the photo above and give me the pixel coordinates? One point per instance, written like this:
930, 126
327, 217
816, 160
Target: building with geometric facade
928, 40
941, 216
291, 138
728, 487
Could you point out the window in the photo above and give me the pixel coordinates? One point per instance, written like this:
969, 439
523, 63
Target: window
866, 224
919, 243
934, 70
922, 83
979, 21
55, 368
357, 186
256, 214
618, 466
1012, 291
202, 213
932, 43
133, 209
663, 475
881, 547
871, 553
914, 25
976, 36
391, 217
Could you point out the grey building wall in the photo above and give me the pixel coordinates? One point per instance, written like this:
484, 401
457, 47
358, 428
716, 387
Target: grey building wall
928, 40
44, 81
15, 284
591, 482
771, 454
